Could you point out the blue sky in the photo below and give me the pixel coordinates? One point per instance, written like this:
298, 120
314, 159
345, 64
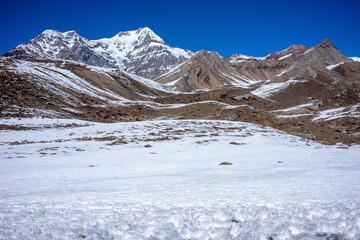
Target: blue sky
254, 28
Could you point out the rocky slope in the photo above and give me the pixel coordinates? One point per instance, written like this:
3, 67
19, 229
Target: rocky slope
140, 52
54, 88
311, 92
205, 70
208, 70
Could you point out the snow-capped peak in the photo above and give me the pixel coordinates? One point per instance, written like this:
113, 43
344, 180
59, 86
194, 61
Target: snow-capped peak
54, 33
54, 37
140, 51
136, 36
72, 32
50, 32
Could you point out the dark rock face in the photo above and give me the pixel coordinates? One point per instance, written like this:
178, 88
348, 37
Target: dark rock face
140, 52
18, 53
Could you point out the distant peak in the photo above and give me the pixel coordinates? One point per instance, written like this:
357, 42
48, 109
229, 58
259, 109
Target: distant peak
140, 31
55, 33
71, 32
202, 52
50, 32
326, 44
206, 54
296, 47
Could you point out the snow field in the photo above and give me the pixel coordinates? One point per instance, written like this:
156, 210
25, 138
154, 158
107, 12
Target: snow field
165, 182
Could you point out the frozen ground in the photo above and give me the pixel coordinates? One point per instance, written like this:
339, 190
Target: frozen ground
162, 180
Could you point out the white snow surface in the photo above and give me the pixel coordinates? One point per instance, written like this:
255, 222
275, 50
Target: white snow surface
284, 57
331, 67
244, 58
266, 90
335, 113
279, 185
309, 50
293, 112
357, 59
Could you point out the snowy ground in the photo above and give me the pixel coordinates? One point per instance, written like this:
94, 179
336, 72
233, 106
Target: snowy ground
162, 180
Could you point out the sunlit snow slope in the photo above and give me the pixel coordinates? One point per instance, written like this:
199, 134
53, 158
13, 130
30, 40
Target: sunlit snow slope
162, 180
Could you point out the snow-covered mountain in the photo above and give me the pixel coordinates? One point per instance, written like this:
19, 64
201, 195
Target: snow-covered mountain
140, 52
297, 85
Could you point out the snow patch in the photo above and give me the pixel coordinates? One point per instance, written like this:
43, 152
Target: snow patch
331, 114
172, 83
245, 58
269, 89
309, 50
284, 57
331, 67
295, 108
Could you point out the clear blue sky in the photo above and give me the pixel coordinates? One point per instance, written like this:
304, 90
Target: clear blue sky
253, 28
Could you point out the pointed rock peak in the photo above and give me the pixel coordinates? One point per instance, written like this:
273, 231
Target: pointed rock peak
291, 49
203, 54
326, 44
215, 54
296, 47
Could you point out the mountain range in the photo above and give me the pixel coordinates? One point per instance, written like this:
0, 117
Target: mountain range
141, 52
312, 92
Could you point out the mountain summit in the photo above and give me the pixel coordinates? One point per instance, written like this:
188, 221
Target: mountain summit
141, 52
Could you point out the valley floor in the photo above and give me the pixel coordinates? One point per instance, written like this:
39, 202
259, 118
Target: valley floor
71, 179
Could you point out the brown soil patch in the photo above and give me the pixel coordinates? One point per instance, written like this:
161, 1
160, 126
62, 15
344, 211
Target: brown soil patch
225, 163
107, 138
15, 127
